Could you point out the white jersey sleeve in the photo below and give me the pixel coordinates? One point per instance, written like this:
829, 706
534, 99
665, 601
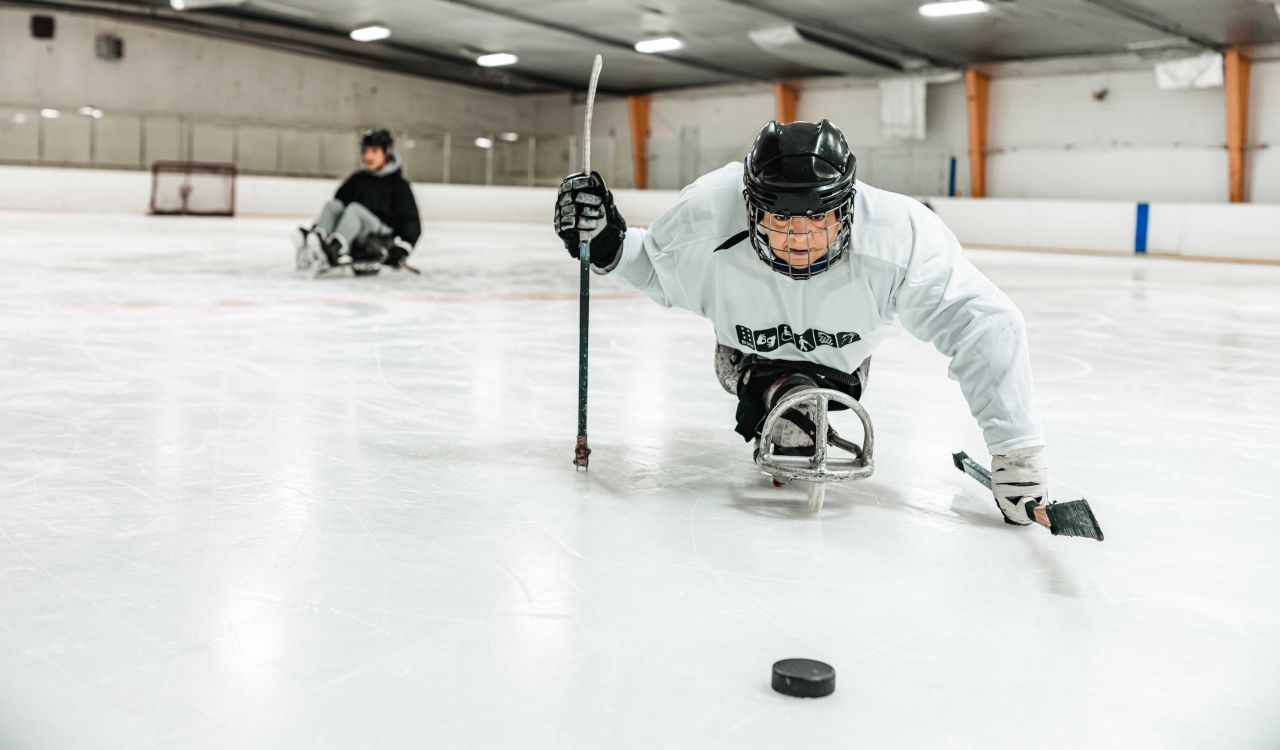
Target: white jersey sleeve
944, 300
672, 261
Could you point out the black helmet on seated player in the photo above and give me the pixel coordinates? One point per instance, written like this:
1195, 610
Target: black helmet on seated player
379, 138
801, 170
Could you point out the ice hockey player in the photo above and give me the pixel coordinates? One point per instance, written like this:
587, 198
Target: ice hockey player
372, 219
802, 269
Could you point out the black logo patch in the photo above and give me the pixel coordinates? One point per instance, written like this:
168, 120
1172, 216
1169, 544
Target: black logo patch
769, 339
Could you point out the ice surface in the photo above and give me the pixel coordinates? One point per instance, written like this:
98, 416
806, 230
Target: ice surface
243, 509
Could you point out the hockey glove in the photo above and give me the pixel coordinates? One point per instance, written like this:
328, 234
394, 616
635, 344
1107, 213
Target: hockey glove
1020, 482
584, 208
398, 253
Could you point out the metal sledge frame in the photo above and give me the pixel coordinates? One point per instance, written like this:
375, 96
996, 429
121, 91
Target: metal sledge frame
821, 467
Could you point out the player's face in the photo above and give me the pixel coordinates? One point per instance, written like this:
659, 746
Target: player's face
374, 158
801, 241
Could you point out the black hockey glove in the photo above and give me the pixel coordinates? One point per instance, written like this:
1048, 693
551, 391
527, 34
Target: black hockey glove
585, 205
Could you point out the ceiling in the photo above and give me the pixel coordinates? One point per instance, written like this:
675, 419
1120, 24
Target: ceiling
555, 39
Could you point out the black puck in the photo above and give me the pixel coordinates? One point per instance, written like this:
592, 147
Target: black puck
804, 678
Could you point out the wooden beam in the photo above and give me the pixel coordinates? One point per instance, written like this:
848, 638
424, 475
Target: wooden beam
1236, 73
784, 102
638, 110
977, 87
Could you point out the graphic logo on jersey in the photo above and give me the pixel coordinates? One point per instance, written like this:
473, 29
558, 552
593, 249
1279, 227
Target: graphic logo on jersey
768, 339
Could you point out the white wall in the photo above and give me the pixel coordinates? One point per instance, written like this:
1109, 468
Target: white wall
1214, 230
129, 192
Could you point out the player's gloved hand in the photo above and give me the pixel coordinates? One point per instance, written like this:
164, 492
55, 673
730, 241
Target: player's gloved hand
1020, 482
584, 208
398, 253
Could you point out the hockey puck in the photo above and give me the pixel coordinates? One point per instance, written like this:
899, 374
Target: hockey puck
804, 678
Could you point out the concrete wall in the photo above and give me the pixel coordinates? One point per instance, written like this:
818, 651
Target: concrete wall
1054, 134
695, 131
182, 96
1098, 135
185, 74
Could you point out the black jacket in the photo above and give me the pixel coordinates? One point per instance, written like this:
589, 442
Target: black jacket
388, 195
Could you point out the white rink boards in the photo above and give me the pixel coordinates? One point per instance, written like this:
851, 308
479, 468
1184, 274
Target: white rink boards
239, 508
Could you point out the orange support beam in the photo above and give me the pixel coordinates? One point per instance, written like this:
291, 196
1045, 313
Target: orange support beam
784, 102
977, 87
1236, 73
638, 109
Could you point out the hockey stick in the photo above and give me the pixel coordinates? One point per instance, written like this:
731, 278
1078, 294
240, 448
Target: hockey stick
581, 452
1072, 518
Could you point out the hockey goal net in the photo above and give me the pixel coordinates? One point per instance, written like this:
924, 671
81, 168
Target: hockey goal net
189, 188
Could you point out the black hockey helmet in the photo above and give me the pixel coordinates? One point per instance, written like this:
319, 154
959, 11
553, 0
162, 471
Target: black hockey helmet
377, 138
801, 169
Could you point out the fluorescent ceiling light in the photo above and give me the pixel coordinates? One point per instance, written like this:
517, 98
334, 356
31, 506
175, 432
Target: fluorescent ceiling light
371, 33
93, 112
497, 60
50, 114
661, 44
955, 8
483, 142
20, 119
199, 4
510, 137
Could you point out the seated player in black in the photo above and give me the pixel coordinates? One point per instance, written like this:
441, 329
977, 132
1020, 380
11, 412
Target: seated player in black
372, 219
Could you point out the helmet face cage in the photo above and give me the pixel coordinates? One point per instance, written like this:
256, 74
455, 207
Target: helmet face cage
777, 229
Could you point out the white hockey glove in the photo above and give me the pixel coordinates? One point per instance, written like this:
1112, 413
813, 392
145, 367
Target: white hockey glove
1020, 483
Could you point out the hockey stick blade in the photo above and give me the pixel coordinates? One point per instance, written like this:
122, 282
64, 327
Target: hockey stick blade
1072, 518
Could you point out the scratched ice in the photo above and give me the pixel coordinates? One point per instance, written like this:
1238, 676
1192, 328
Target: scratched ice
239, 508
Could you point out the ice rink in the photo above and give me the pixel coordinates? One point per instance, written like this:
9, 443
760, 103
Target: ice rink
242, 508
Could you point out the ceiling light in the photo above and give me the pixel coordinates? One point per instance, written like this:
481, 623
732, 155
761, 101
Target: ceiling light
20, 119
954, 8
200, 4
496, 60
509, 137
483, 142
661, 44
93, 112
371, 33
50, 114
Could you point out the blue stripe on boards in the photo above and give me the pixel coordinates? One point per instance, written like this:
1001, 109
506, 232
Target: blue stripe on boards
1140, 236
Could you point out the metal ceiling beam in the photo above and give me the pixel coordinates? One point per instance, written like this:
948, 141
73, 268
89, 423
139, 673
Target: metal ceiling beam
885, 54
1152, 21
310, 41
601, 39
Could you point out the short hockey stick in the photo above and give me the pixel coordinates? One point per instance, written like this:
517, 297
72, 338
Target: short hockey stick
581, 451
1072, 518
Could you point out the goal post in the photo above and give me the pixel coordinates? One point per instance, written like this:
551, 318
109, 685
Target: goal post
189, 188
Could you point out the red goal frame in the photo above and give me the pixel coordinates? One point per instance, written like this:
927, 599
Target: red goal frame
187, 169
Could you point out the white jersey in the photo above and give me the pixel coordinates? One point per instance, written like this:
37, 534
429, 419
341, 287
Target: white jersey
903, 263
